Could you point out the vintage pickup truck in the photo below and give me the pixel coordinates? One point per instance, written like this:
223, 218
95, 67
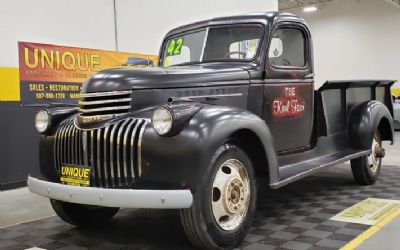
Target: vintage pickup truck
231, 101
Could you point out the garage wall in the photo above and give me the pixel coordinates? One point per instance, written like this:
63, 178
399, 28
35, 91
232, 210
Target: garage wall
142, 24
355, 39
88, 23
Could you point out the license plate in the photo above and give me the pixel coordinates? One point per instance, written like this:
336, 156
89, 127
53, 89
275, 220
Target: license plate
75, 175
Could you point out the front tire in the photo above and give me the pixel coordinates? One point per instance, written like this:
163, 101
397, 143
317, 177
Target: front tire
225, 202
83, 215
366, 168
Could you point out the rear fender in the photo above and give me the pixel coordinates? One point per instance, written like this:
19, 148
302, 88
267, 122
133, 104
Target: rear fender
365, 119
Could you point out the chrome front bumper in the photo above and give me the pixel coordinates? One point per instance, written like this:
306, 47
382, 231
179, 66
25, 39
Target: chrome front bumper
128, 198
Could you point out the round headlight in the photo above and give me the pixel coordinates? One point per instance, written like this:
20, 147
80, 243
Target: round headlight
42, 121
162, 120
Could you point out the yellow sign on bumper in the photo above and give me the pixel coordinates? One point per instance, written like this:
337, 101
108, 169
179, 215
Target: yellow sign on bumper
75, 175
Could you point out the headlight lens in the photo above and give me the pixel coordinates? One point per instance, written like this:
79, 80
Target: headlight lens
42, 121
162, 120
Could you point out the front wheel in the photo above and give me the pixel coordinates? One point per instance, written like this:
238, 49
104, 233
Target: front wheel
83, 215
224, 205
366, 168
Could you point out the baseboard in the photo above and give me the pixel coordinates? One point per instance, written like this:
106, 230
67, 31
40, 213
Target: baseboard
12, 185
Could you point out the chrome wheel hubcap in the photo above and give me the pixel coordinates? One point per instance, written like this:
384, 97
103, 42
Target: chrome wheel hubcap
230, 195
373, 160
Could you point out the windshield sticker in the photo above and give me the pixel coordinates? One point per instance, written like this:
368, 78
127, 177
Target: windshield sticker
175, 46
289, 105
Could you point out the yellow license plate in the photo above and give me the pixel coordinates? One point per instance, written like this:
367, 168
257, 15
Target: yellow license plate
75, 175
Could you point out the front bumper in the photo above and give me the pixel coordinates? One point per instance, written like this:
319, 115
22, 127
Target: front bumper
128, 198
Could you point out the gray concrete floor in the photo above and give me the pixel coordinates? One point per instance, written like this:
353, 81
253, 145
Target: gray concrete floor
385, 239
19, 206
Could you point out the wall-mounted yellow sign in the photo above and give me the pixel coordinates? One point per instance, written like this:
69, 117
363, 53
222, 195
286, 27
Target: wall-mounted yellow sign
51, 73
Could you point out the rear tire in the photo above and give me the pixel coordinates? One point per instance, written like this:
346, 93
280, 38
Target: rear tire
366, 168
224, 203
83, 215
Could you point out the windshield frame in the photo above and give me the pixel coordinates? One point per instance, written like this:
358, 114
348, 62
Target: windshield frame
260, 25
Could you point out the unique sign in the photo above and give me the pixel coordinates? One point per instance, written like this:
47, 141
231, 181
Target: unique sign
368, 212
75, 175
50, 73
288, 105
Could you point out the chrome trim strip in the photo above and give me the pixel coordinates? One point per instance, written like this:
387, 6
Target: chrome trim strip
139, 148
111, 93
210, 96
105, 101
105, 197
85, 111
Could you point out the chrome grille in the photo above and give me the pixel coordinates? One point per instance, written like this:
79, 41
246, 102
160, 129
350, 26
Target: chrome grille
105, 104
113, 152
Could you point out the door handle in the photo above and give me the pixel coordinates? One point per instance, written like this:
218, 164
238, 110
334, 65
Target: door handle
309, 76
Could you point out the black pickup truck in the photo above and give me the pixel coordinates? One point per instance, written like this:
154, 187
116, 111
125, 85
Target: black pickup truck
232, 101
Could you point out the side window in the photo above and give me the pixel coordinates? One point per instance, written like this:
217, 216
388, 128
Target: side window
287, 48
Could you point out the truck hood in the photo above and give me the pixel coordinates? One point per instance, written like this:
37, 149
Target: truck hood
170, 77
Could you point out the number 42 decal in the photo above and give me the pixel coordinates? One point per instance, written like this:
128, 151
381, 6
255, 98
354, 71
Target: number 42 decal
175, 46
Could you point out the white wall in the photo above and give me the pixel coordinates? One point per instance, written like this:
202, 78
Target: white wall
142, 24
355, 39
88, 23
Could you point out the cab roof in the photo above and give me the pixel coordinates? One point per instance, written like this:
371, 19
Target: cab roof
256, 17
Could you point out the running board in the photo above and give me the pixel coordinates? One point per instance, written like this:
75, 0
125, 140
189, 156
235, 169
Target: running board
294, 172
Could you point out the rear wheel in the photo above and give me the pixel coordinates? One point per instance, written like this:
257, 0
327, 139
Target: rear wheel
366, 168
224, 205
83, 215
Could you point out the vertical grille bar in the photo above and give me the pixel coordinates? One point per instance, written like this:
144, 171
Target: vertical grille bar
121, 172
99, 146
133, 156
139, 148
112, 153
85, 148
92, 157
105, 155
126, 154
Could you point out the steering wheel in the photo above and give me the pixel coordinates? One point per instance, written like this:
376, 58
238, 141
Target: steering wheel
235, 52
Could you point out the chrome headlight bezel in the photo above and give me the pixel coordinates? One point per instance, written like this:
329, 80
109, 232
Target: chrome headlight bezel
162, 120
42, 121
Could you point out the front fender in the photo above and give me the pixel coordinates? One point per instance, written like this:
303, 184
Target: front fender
180, 161
364, 120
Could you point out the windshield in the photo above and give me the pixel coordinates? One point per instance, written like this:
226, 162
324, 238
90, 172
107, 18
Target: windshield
213, 44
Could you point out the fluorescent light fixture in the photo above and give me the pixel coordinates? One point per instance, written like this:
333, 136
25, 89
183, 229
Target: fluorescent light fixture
310, 9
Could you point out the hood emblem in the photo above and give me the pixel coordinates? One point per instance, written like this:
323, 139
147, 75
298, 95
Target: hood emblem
93, 119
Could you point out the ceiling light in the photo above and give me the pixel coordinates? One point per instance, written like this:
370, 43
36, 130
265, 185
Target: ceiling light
310, 9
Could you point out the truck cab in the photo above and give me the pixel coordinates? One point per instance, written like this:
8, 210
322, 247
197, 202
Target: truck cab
232, 102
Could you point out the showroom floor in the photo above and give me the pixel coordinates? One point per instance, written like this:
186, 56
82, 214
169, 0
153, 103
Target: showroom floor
294, 217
